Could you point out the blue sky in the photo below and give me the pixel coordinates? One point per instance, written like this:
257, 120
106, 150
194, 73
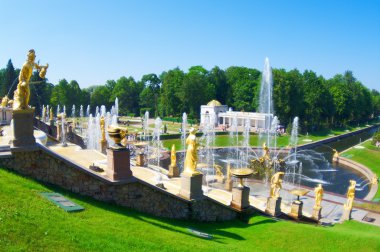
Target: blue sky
93, 41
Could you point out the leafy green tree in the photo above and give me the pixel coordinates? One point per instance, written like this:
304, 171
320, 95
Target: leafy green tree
59, 94
242, 88
150, 94
218, 78
170, 102
127, 90
40, 91
100, 96
9, 78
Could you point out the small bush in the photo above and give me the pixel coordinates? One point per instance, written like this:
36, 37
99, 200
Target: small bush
376, 138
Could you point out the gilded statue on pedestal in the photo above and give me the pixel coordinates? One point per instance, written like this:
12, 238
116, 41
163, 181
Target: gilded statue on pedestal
173, 157
22, 93
318, 196
51, 114
102, 129
266, 154
276, 185
191, 158
350, 195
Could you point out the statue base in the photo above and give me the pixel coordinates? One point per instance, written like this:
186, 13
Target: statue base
346, 214
191, 186
118, 165
240, 198
23, 128
228, 184
103, 146
296, 209
317, 213
140, 159
273, 206
173, 171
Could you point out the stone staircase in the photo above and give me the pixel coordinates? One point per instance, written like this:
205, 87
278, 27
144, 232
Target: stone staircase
5, 151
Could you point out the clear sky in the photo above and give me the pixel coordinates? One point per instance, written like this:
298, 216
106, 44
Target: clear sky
93, 41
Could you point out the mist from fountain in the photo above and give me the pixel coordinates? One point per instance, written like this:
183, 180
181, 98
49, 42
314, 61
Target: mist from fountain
184, 130
207, 152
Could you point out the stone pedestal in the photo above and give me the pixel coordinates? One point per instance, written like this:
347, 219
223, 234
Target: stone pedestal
118, 165
317, 213
273, 206
296, 209
346, 214
140, 159
191, 186
173, 171
23, 128
240, 198
103, 146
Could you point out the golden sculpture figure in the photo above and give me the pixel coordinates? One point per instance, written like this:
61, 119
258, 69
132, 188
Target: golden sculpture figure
336, 153
51, 114
266, 155
4, 101
191, 153
375, 180
173, 157
350, 195
102, 128
318, 196
276, 185
22, 93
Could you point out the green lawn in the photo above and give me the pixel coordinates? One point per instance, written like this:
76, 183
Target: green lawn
29, 222
369, 156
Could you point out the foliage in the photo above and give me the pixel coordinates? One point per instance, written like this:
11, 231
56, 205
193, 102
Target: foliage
376, 138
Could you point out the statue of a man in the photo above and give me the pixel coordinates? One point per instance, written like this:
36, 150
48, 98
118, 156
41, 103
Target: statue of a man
191, 153
350, 195
276, 185
318, 196
22, 93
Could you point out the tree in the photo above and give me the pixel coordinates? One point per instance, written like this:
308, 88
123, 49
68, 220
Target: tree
170, 102
151, 91
127, 91
40, 91
242, 88
9, 81
218, 78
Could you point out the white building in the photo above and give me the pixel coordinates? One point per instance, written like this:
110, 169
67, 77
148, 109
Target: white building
5, 115
225, 116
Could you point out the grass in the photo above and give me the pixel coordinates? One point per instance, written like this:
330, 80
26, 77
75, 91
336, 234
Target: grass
28, 222
369, 156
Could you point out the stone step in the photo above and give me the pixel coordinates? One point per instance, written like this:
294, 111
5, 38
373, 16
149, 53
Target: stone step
5, 148
5, 154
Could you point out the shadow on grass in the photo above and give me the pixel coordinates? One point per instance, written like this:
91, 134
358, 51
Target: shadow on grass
216, 229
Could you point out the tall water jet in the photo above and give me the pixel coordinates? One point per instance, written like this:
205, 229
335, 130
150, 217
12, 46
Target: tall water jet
81, 111
64, 109
246, 136
103, 110
47, 115
183, 130
117, 106
58, 110
96, 110
234, 138
146, 125
73, 111
63, 138
88, 111
207, 153
266, 102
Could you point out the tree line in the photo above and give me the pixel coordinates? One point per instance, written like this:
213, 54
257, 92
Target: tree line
317, 101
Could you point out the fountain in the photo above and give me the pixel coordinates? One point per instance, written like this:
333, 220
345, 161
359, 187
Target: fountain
88, 111
183, 130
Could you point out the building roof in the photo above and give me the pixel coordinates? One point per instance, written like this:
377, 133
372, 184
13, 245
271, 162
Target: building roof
214, 103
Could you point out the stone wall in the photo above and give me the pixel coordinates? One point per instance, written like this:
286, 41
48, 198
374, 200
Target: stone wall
44, 165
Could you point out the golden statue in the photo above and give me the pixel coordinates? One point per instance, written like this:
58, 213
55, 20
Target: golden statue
22, 93
173, 157
102, 128
4, 101
276, 185
266, 154
336, 153
318, 196
350, 195
51, 114
191, 157
375, 180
